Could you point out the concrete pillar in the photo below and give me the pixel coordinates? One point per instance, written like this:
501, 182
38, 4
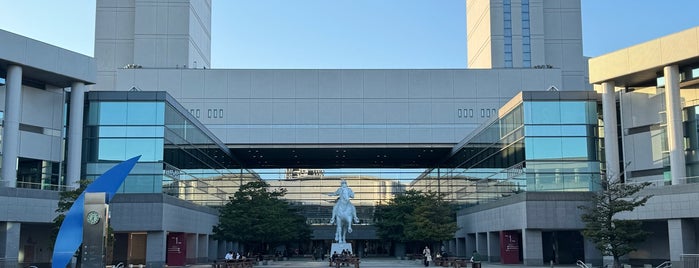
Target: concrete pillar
10, 130
156, 244
611, 143
9, 244
675, 139
592, 255
482, 245
532, 253
494, 246
192, 248
681, 235
470, 244
75, 135
213, 249
461, 247
221, 249
203, 253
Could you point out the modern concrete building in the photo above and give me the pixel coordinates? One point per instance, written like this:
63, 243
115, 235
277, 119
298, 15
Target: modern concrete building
514, 139
649, 95
527, 34
42, 155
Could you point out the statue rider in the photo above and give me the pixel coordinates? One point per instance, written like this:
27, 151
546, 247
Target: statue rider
347, 193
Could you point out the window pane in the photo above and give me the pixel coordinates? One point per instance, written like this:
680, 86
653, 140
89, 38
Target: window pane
145, 113
542, 113
574, 112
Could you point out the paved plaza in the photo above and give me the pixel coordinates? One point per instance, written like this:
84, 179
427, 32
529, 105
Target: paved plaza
370, 263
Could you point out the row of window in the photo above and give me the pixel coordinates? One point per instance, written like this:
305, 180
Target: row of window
507, 15
526, 34
210, 113
466, 113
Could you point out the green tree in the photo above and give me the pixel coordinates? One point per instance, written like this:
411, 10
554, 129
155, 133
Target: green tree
612, 236
415, 216
260, 219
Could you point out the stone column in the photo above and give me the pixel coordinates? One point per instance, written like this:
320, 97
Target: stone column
10, 130
494, 246
192, 248
681, 234
156, 243
75, 135
9, 244
531, 247
203, 252
675, 139
214, 249
611, 143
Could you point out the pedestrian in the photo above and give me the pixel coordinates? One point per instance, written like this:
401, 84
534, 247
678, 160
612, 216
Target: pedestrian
428, 256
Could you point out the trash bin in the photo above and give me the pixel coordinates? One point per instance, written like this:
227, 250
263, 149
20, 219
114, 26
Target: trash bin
476, 264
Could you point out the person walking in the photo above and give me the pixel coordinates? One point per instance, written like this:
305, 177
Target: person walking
428, 256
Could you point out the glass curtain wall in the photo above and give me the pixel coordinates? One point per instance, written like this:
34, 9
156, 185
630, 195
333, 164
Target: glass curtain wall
178, 156
546, 145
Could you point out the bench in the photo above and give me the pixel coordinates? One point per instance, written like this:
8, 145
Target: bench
241, 263
343, 260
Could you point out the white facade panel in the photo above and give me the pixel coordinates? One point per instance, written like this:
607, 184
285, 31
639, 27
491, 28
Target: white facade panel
397, 84
329, 112
441, 84
374, 113
487, 85
351, 134
239, 84
377, 134
329, 135
419, 113
283, 112
352, 84
262, 84
306, 135
283, 86
352, 113
419, 87
307, 112
41, 107
149, 78
344, 99
306, 84
216, 84
329, 84
39, 146
192, 84
374, 84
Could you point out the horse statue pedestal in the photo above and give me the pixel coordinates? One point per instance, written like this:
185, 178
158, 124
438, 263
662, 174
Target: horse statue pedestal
338, 247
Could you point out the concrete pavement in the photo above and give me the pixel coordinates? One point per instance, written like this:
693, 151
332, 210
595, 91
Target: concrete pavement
371, 263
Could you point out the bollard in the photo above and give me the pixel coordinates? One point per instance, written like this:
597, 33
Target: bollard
551, 263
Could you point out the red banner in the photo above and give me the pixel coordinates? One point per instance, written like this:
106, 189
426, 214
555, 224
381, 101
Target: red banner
510, 247
176, 249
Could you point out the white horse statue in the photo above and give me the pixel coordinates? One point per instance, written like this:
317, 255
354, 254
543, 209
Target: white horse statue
343, 212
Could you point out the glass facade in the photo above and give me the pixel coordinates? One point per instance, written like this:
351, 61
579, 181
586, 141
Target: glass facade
507, 17
179, 156
537, 145
526, 36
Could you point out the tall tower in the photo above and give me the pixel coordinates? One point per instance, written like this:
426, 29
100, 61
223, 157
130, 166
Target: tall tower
527, 34
147, 33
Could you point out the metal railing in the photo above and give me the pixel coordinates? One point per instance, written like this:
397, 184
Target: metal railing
666, 264
581, 264
690, 260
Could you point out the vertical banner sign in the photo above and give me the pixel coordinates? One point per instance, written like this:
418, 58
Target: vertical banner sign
176, 249
510, 247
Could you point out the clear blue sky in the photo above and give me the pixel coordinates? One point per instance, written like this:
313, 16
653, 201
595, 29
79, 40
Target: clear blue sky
350, 33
